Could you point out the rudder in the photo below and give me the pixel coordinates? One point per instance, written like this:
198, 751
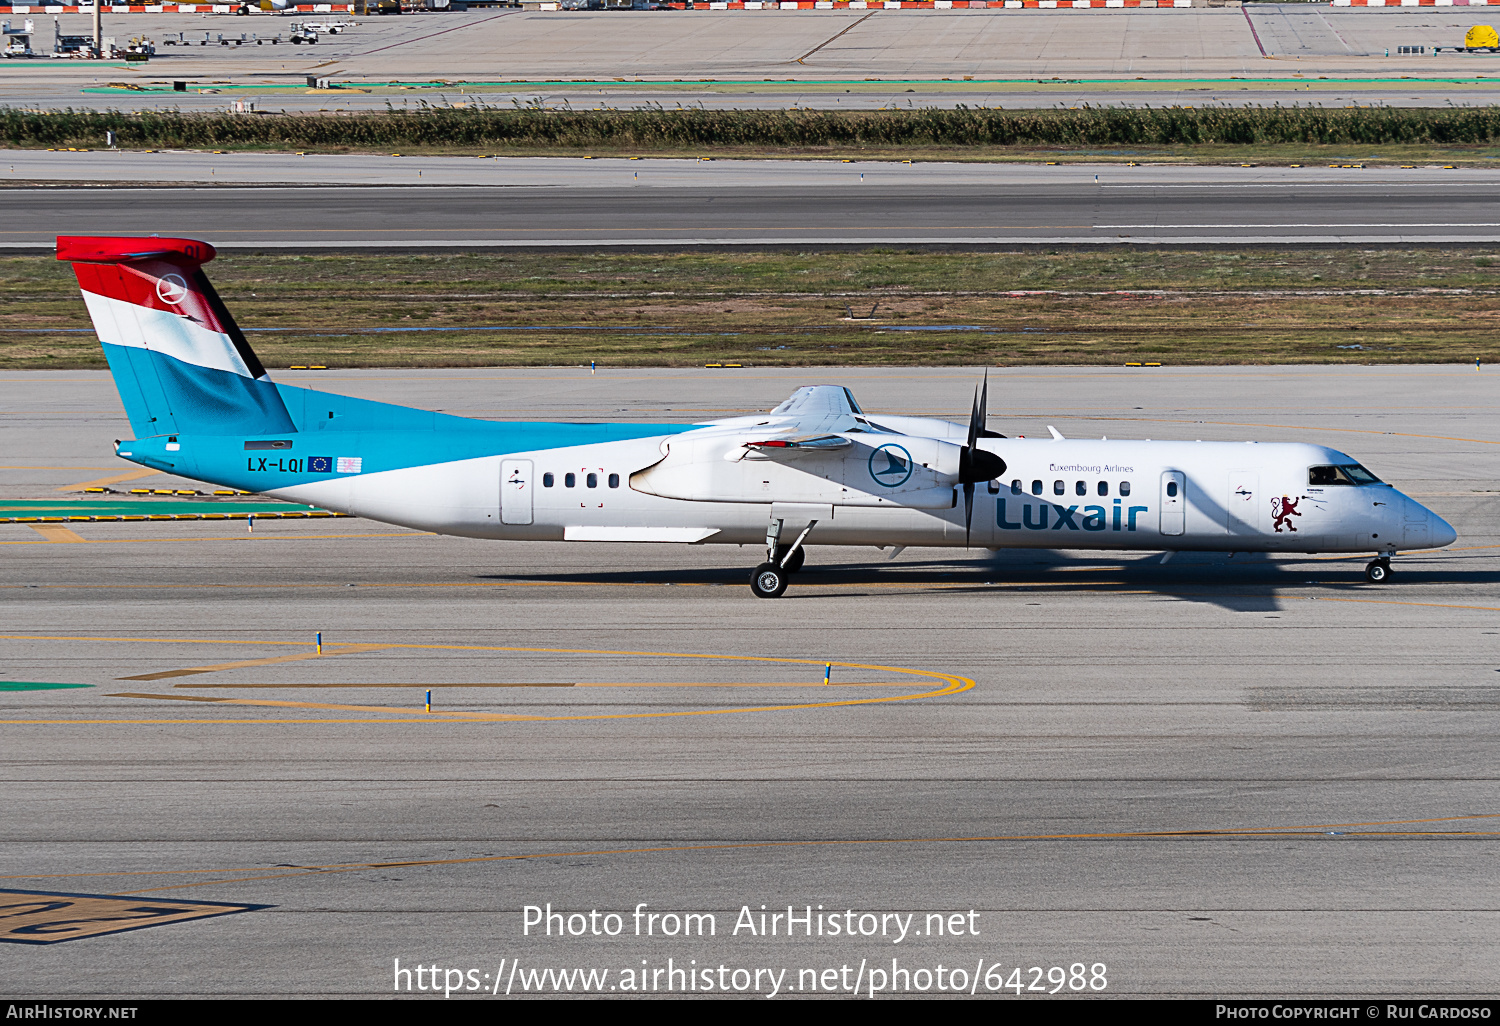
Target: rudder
180, 362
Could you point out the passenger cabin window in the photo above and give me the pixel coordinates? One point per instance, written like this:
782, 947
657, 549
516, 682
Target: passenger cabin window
1081, 488
1036, 488
994, 487
569, 480
1124, 487
1059, 488
592, 480
1103, 487
1171, 489
614, 480
547, 480
1015, 487
1344, 474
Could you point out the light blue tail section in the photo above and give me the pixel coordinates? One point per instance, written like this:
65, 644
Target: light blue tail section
164, 395
140, 390
180, 362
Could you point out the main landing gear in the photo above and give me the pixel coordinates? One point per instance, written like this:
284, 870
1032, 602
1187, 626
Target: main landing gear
792, 561
1378, 570
771, 578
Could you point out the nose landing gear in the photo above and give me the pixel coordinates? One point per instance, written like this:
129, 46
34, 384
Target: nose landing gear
769, 581
791, 564
1378, 570
771, 578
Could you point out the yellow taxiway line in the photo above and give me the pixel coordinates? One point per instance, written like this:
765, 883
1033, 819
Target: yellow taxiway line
55, 533
951, 685
105, 482
333, 650
1364, 829
447, 686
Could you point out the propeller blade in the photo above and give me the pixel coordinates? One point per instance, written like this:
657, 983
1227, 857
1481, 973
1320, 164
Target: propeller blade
979, 412
975, 464
968, 510
974, 424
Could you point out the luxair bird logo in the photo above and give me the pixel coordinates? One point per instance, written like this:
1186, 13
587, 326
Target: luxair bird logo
171, 289
890, 465
1281, 508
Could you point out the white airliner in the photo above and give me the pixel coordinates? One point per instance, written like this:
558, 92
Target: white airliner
816, 470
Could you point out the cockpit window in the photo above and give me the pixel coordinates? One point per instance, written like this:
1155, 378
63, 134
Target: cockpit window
1344, 474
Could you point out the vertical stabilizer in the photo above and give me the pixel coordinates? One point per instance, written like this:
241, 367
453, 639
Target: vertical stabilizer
179, 360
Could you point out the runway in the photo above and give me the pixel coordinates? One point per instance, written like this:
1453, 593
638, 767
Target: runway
1212, 777
466, 202
1263, 53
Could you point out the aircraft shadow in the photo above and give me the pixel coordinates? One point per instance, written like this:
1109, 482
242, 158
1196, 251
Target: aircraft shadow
1245, 582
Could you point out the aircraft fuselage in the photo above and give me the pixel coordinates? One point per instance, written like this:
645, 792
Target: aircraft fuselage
1056, 493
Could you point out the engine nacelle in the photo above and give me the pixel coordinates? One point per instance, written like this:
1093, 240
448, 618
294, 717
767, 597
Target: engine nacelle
924, 427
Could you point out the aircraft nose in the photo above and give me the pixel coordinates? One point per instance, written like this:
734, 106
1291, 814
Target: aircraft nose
1422, 528
1441, 532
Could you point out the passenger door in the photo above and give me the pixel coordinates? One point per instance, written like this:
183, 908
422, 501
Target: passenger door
1173, 502
515, 491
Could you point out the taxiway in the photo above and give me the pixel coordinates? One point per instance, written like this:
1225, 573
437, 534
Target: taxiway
1216, 777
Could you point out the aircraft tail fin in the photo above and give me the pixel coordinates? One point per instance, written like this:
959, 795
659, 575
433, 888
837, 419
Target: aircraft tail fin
180, 362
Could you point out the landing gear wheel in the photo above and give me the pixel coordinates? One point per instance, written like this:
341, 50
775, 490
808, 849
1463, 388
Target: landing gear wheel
1377, 571
795, 564
769, 581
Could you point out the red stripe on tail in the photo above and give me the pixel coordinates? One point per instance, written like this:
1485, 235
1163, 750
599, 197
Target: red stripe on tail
114, 249
167, 285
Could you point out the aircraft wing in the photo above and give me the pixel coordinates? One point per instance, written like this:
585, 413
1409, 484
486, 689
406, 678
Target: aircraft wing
808, 422
819, 410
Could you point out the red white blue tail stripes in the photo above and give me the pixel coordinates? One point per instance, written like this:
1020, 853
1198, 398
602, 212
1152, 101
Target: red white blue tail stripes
180, 361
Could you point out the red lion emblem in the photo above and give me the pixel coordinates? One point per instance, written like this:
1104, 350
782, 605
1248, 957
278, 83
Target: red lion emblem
1281, 508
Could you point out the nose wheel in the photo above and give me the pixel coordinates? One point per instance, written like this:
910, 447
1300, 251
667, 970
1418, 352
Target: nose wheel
771, 578
769, 581
1378, 570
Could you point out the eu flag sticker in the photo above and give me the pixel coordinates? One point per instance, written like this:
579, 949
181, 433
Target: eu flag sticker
320, 464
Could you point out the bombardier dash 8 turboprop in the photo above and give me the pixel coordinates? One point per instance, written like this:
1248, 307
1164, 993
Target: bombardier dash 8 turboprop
815, 470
